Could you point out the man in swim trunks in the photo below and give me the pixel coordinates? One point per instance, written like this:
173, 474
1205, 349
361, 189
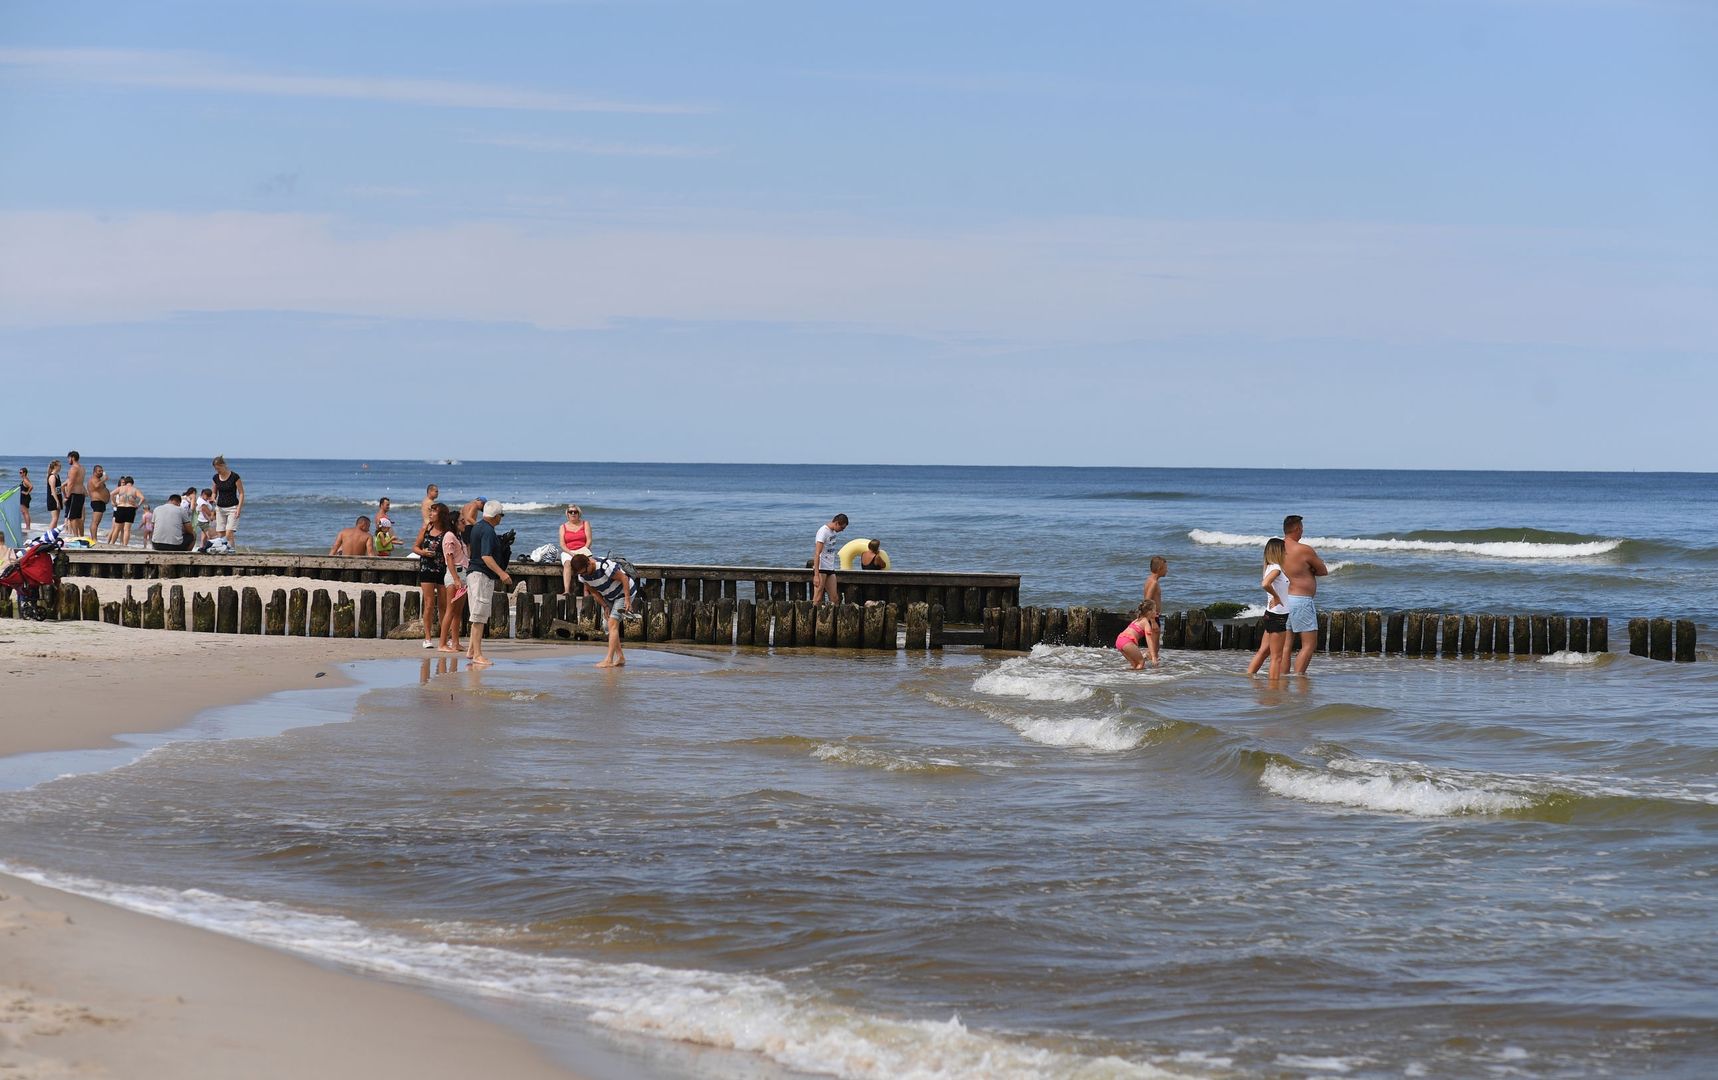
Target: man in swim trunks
75, 493
431, 494
1303, 568
98, 496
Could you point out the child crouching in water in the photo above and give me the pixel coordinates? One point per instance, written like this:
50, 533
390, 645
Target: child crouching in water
1274, 643
1144, 625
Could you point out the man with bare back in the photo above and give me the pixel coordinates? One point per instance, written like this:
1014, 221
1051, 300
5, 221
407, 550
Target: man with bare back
1303, 568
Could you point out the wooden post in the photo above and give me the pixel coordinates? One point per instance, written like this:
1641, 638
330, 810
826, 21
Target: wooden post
345, 616
871, 624
1416, 625
1685, 641
1522, 634
250, 611
1195, 634
918, 625
1638, 645
1452, 636
1578, 635
954, 604
783, 637
1469, 635
1010, 629
91, 604
763, 612
891, 640
176, 608
390, 617
1395, 627
824, 623
154, 609
745, 622
1055, 626
298, 611
849, 626
70, 602
935, 626
703, 621
804, 623
412, 606
497, 628
1661, 639
655, 619
1429, 635
321, 608
1599, 634
1541, 635
1485, 631
110, 613
726, 605
972, 604
1373, 622
1356, 632
1557, 636
524, 615
1079, 626
1230, 636
274, 614
202, 611
681, 625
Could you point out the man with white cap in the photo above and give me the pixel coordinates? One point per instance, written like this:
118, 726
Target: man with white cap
480, 580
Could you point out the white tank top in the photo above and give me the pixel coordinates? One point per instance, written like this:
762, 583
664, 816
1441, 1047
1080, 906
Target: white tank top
1279, 588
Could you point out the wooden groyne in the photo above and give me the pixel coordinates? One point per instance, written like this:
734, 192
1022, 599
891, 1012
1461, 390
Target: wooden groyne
1356, 633
963, 596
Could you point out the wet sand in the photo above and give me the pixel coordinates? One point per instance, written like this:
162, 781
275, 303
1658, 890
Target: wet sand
87, 989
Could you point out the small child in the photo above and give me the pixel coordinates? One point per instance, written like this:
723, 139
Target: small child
1144, 625
385, 538
1275, 641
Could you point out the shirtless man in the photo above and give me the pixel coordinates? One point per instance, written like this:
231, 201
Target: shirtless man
1303, 568
431, 494
75, 494
355, 540
98, 496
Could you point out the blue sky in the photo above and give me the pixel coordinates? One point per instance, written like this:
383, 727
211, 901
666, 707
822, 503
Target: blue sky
1451, 233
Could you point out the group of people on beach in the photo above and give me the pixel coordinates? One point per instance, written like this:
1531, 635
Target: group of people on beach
1290, 583
77, 500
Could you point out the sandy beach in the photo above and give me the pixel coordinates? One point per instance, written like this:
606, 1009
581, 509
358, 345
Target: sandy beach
87, 989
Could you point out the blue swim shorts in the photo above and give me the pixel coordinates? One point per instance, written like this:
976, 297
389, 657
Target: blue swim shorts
1302, 615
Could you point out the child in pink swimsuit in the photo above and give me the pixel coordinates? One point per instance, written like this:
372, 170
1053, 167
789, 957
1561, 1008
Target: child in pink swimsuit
1144, 625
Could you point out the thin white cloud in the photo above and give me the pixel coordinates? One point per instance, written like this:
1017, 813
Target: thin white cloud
1058, 281
197, 72
551, 144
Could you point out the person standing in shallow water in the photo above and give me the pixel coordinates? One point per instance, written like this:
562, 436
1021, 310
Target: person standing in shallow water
98, 496
1303, 568
229, 499
25, 489
825, 560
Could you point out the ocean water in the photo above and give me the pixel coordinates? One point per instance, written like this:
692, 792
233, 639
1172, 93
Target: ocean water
1617, 544
739, 862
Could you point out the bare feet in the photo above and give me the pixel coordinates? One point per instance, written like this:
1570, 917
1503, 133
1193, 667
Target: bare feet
478, 661
604, 663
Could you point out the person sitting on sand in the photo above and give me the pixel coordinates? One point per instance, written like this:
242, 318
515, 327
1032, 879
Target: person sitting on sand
1143, 626
169, 529
604, 579
872, 557
354, 540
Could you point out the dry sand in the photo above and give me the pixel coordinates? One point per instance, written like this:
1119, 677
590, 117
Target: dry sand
90, 990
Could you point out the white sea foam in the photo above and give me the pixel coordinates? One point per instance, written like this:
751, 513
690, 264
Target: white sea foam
872, 758
1571, 659
1496, 549
1378, 786
734, 1011
528, 507
1028, 677
1109, 733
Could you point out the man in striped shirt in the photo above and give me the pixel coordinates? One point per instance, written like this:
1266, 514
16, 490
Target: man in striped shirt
605, 580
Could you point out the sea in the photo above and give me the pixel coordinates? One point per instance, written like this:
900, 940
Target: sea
745, 862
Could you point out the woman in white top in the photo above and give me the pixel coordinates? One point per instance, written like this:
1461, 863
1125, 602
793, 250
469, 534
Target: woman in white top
1275, 643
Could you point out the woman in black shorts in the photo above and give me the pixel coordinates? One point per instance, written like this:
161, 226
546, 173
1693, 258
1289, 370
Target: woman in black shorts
432, 565
54, 494
126, 500
24, 490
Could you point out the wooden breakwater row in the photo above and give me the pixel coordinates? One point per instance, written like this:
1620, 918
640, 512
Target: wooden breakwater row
1362, 633
962, 596
372, 613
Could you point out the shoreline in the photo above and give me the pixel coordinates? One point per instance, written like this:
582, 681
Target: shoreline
91, 989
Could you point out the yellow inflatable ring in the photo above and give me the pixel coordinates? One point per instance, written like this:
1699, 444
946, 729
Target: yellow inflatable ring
850, 554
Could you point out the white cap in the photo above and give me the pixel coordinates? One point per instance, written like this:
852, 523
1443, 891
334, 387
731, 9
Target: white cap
492, 509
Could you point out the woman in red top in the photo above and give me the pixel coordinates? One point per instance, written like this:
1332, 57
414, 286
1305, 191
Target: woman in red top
575, 540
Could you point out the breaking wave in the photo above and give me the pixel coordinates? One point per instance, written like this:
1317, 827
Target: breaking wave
1494, 549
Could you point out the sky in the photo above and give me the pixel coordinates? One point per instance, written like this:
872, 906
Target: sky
1327, 233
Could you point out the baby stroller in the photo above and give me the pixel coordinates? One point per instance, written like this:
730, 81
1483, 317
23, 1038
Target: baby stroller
33, 568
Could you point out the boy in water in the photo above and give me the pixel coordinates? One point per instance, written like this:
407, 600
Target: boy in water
1153, 582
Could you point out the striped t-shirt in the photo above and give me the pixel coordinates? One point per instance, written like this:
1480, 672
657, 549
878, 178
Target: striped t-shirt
601, 577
